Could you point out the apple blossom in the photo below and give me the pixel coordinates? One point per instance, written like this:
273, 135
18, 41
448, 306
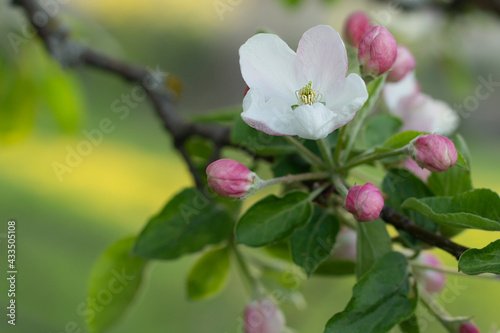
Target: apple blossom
377, 51
365, 202
421, 112
355, 27
263, 316
305, 93
418, 111
434, 152
229, 178
405, 63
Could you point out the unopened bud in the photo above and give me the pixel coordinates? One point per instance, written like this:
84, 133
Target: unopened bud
468, 328
263, 316
434, 152
377, 51
355, 27
404, 64
364, 202
229, 178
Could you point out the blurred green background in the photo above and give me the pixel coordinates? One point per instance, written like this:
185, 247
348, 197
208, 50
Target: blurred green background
63, 226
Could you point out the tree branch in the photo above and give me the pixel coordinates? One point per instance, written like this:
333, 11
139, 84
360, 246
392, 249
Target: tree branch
69, 53
401, 222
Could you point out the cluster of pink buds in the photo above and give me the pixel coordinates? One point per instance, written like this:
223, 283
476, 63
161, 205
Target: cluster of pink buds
378, 51
263, 316
365, 202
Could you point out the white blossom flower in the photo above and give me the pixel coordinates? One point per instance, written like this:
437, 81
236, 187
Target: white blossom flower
305, 93
418, 111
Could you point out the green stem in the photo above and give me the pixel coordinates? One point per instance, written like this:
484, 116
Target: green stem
326, 152
451, 271
306, 153
317, 192
295, 178
340, 145
255, 288
367, 158
340, 186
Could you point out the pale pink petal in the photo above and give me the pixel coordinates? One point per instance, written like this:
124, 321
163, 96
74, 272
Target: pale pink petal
345, 98
272, 116
394, 92
313, 122
267, 63
321, 57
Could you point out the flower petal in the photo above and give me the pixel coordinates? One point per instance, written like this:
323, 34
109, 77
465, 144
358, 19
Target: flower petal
267, 63
345, 98
271, 116
394, 92
313, 122
421, 112
321, 57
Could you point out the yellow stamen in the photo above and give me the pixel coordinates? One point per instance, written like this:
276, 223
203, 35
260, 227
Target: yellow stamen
307, 95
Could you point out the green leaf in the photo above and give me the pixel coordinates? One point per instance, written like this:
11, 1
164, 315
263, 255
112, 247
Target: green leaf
114, 282
62, 95
273, 218
336, 267
380, 128
257, 141
475, 209
400, 140
290, 165
381, 299
410, 325
188, 223
373, 242
400, 185
209, 274
313, 243
485, 260
17, 111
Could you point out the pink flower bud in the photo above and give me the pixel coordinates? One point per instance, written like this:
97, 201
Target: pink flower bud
434, 152
377, 51
405, 63
345, 245
364, 202
355, 27
263, 316
432, 281
229, 178
469, 328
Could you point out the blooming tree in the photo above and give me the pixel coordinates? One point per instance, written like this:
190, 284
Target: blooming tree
316, 124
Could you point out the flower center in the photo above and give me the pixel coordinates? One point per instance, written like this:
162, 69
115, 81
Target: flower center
308, 95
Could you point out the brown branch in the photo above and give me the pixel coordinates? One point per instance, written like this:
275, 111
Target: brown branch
70, 54
401, 222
